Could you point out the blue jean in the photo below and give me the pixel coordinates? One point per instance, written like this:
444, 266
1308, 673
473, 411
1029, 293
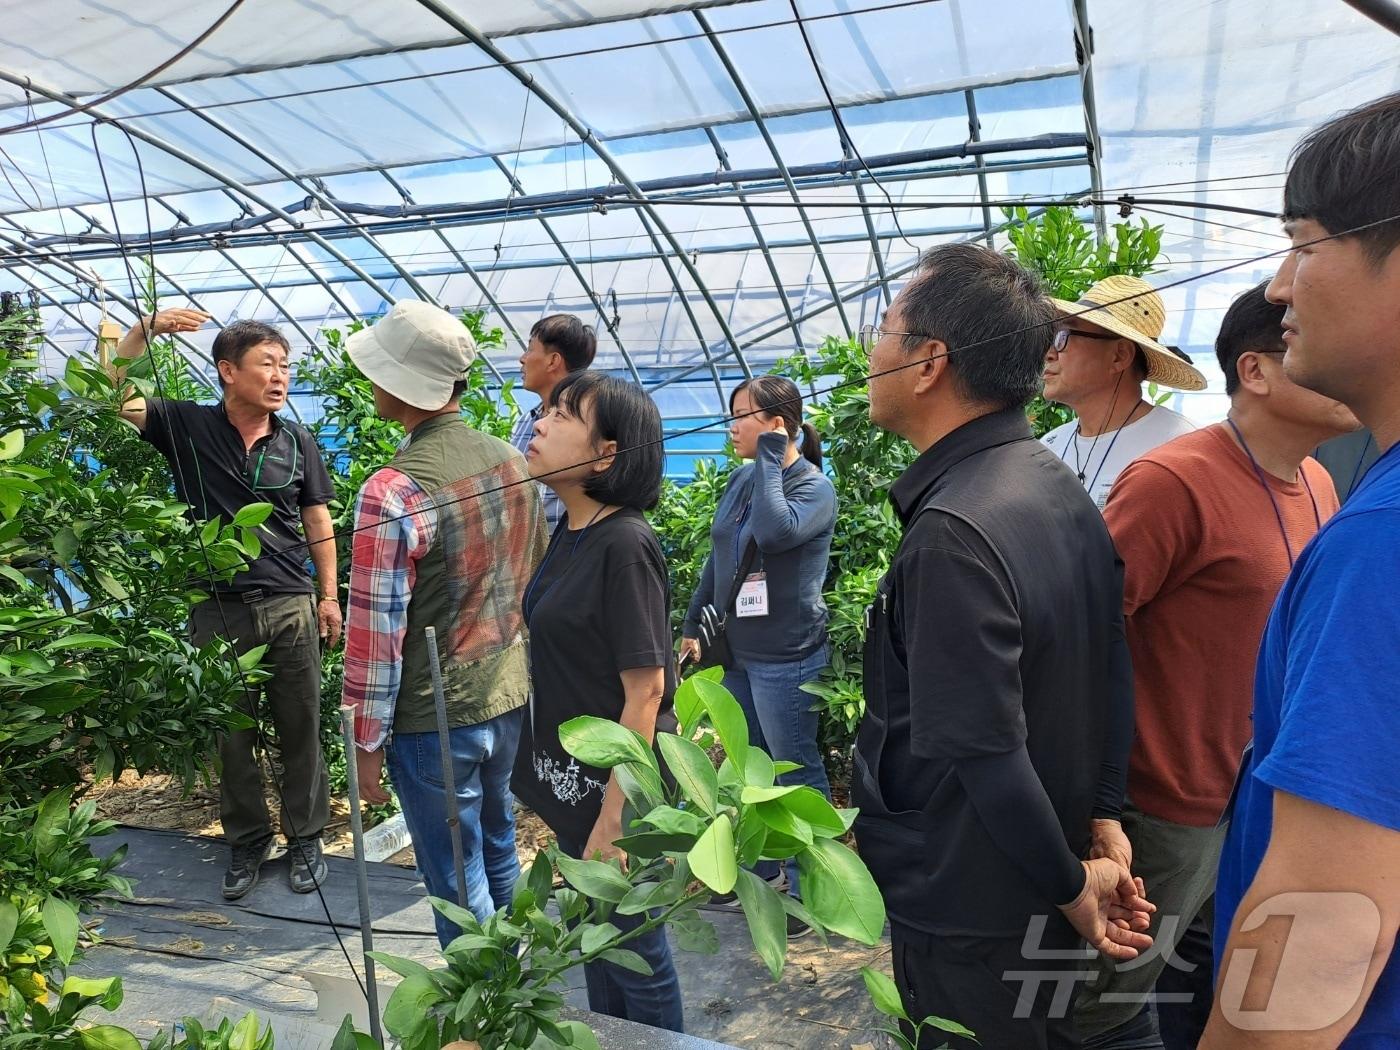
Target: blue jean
483, 756
783, 721
617, 992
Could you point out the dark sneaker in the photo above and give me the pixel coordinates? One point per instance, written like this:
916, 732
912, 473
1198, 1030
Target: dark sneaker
731, 899
248, 859
797, 928
308, 866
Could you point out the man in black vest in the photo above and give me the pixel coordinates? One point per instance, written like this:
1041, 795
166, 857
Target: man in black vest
223, 457
994, 749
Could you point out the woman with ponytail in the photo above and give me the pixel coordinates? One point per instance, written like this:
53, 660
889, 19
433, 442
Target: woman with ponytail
774, 520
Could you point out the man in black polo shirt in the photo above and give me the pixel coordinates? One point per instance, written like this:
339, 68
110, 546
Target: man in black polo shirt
994, 749
224, 457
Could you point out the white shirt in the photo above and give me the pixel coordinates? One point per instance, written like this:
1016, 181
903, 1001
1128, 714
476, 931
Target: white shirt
1099, 460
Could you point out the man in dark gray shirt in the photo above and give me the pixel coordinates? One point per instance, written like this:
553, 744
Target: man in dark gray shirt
994, 748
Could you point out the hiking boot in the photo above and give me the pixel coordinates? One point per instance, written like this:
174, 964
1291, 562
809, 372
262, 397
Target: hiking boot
248, 859
308, 866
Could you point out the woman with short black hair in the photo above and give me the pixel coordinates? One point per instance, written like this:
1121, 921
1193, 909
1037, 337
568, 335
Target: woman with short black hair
598, 609
775, 522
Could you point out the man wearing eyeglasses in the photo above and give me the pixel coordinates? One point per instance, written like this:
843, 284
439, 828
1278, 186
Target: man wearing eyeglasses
997, 686
1106, 348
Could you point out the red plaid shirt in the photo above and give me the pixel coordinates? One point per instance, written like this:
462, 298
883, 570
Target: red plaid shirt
395, 521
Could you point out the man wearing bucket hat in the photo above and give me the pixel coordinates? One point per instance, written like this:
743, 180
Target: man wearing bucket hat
1105, 348
446, 536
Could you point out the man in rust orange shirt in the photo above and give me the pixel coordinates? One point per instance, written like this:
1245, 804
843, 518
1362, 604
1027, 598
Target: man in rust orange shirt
1208, 527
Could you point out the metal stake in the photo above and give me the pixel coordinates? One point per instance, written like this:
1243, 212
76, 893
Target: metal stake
357, 830
449, 782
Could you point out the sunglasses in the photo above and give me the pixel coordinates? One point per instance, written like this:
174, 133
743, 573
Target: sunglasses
1062, 336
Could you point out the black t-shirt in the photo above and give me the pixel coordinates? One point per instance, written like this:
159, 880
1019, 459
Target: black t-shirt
995, 637
598, 605
216, 475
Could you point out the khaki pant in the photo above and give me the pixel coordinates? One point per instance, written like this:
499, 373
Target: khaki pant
286, 624
1178, 864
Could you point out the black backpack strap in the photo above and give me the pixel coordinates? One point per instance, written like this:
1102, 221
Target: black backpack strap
741, 574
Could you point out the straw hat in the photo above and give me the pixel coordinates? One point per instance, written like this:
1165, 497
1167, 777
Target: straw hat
1128, 306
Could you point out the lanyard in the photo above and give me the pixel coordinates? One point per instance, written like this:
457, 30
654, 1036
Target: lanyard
526, 606
1356, 474
1278, 514
739, 525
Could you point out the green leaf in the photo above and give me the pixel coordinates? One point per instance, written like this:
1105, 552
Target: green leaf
82, 641
628, 960
107, 1037
402, 967
687, 705
951, 1027
811, 806
647, 895
346, 1038
250, 660
784, 766
883, 994
53, 811
581, 1037
12, 444
728, 719
674, 821
61, 924
595, 936
693, 933
455, 913
594, 878
409, 1005
777, 817
603, 743
763, 911
65, 544
760, 770
712, 857
753, 795
692, 769
253, 515
9, 922
106, 990
838, 889
110, 584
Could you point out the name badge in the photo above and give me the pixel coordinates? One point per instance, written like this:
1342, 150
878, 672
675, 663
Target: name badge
753, 596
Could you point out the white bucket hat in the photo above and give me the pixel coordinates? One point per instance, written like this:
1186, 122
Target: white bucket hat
416, 351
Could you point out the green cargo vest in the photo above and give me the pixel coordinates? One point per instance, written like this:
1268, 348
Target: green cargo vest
489, 538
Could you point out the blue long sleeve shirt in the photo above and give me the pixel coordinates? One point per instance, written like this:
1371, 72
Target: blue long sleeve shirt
791, 514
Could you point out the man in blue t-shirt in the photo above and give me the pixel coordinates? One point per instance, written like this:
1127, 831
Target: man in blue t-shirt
1308, 898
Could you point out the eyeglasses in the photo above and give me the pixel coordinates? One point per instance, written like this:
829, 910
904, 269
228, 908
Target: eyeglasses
1062, 335
871, 334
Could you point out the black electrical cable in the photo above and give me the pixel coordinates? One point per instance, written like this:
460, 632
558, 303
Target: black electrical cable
847, 142
212, 578
857, 381
118, 92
